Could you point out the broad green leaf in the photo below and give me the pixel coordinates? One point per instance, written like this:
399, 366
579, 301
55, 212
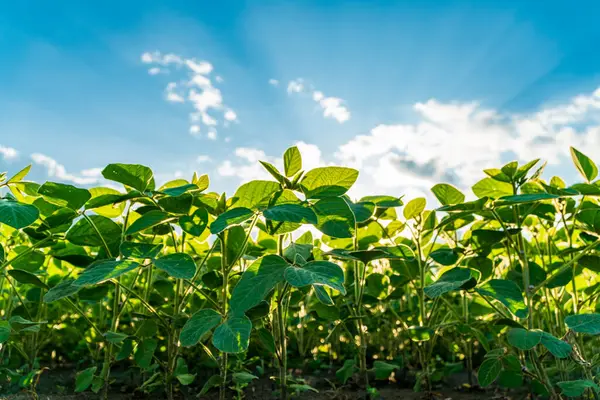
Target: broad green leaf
202, 181
489, 371
243, 377
177, 265
140, 250
135, 176
84, 234
254, 194
290, 213
101, 271
109, 202
148, 220
271, 169
235, 216
213, 381
286, 198
84, 379
179, 190
577, 388
233, 335
198, 325
292, 161
266, 339
185, 379
28, 278
316, 273
449, 281
445, 256
4, 331
346, 372
584, 323
298, 253
125, 350
64, 289
324, 182
492, 188
383, 201
196, 223
64, 195
447, 194
362, 210
508, 293
322, 295
557, 347
257, 281
524, 198
523, 339
335, 218
414, 208
144, 352
586, 167
383, 370
115, 337
17, 215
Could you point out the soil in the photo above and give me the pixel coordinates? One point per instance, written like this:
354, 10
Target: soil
50, 388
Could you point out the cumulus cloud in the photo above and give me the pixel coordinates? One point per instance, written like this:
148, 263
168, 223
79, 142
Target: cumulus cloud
8, 153
58, 171
196, 89
273, 82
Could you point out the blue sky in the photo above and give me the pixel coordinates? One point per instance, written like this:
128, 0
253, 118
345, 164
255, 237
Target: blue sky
393, 88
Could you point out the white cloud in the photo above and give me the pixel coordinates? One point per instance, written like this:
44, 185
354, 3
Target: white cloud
273, 82
196, 89
58, 171
8, 153
154, 71
333, 107
203, 159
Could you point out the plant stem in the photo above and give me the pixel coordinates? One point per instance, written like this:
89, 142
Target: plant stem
281, 329
225, 273
109, 348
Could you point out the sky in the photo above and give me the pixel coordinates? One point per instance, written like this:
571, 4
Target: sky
410, 93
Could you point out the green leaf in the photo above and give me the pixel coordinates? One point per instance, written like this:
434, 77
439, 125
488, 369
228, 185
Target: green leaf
316, 273
233, 217
148, 220
508, 293
383, 201
523, 339
524, 198
64, 195
213, 381
186, 379
291, 213
445, 256
557, 347
383, 370
577, 388
4, 331
115, 337
233, 335
586, 167
322, 295
449, 281
140, 250
144, 352
64, 289
84, 378
179, 190
196, 223
274, 172
254, 194
584, 323
346, 372
17, 215
335, 218
266, 339
25, 277
292, 161
104, 270
414, 208
19, 175
362, 211
324, 182
84, 234
198, 325
447, 194
256, 282
489, 187
177, 265
241, 378
135, 176
489, 371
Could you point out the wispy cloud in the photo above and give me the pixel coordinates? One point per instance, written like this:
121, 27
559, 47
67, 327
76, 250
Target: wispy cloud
196, 88
58, 171
333, 107
8, 153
